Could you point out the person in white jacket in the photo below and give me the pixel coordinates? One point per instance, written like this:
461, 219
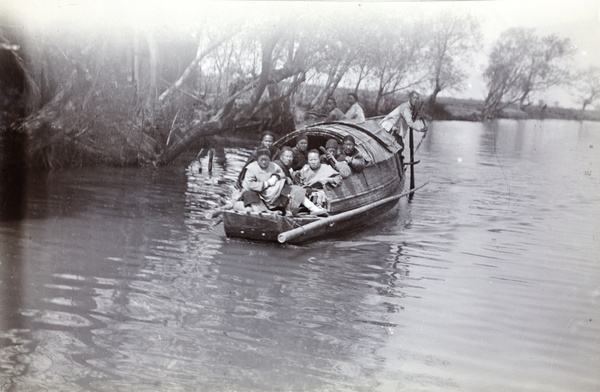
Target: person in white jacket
355, 113
399, 120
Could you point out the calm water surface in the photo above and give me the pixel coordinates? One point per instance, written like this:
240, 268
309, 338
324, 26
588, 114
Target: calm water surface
487, 280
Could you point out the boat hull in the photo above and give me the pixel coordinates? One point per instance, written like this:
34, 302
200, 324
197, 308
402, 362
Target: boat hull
356, 192
268, 227
355, 203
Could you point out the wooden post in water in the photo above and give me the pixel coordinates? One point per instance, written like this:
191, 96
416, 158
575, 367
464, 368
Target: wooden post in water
211, 154
412, 158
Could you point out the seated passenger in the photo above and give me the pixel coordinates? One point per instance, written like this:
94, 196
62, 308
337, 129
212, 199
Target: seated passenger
354, 158
285, 163
266, 141
315, 177
331, 148
333, 113
334, 158
355, 113
300, 152
265, 188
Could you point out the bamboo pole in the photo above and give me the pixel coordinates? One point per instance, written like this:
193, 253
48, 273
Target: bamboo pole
286, 236
412, 158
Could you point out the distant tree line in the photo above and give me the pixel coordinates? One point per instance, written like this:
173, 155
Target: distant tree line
132, 95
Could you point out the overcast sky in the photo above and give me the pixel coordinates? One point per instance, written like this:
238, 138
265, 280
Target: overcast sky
578, 20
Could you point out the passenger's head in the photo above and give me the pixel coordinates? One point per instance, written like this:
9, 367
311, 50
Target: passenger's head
263, 157
348, 144
314, 159
413, 98
332, 146
352, 98
330, 104
267, 139
287, 156
302, 142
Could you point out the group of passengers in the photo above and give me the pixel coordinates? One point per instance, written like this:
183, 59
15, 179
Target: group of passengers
286, 181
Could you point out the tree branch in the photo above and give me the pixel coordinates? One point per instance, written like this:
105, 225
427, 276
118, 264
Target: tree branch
199, 56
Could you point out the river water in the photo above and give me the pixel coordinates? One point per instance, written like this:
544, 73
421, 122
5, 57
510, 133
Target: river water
487, 280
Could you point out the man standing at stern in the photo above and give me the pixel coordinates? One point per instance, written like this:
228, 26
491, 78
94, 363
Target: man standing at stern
405, 116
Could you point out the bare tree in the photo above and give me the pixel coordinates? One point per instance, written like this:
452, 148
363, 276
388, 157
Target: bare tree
333, 57
397, 55
453, 39
587, 86
201, 53
520, 64
267, 58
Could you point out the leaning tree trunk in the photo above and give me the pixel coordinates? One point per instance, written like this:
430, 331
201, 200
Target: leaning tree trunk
434, 95
225, 117
50, 126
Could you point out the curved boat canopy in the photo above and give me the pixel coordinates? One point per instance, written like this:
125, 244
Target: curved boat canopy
371, 139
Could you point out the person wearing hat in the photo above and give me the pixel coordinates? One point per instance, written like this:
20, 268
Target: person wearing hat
300, 152
335, 158
264, 185
332, 149
355, 160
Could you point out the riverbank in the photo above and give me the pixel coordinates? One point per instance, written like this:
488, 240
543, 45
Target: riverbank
470, 110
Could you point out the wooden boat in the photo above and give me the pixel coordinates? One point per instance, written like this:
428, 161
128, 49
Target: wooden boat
357, 201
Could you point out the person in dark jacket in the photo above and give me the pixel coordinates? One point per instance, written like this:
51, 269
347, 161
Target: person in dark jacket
335, 158
355, 159
266, 141
285, 162
333, 113
300, 152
